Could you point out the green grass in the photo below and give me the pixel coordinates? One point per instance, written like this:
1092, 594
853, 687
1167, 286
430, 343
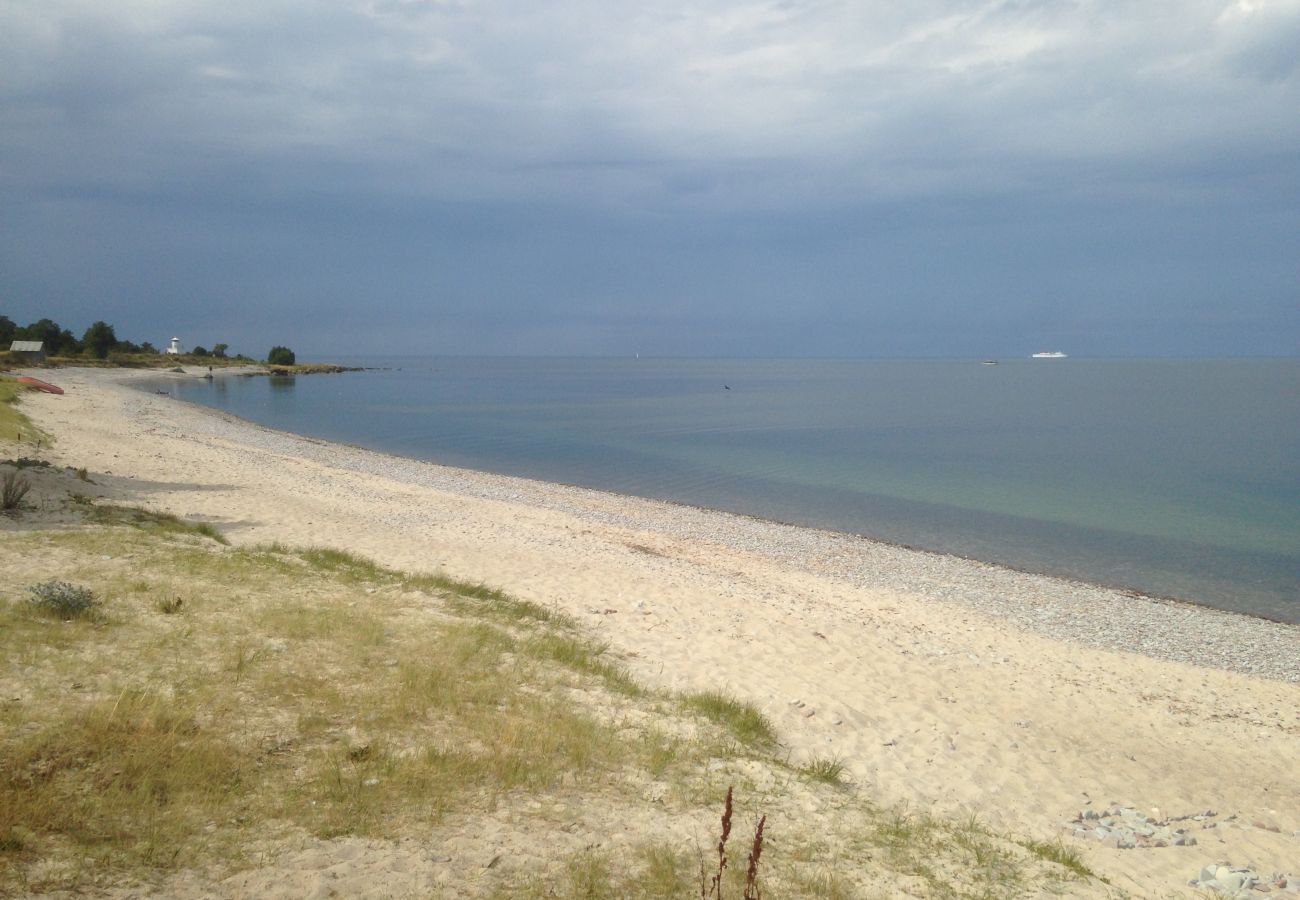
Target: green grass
235, 697
827, 771
126, 779
455, 713
653, 871
582, 655
1056, 852
14, 426
146, 520
743, 720
464, 597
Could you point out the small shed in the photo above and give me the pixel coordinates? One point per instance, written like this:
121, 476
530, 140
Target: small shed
28, 351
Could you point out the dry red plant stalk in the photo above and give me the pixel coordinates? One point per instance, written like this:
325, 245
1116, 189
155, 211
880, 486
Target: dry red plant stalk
714, 888
755, 852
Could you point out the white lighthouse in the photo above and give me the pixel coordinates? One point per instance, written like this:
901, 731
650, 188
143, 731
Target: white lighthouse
173, 347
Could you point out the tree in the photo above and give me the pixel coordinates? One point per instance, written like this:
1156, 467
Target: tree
199, 351
147, 347
7, 330
281, 356
99, 339
219, 350
58, 341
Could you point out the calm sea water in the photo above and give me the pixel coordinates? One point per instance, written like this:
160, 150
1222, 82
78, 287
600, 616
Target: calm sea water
1173, 477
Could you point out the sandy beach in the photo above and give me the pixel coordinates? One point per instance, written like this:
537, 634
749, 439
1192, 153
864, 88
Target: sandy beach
944, 683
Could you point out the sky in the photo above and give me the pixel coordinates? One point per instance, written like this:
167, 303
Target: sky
671, 177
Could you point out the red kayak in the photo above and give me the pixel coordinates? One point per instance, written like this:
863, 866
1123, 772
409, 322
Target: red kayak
40, 385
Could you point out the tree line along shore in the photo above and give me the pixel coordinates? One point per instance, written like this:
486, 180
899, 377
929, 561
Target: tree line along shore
100, 345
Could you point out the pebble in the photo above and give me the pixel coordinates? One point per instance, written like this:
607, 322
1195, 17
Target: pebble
1124, 828
1242, 883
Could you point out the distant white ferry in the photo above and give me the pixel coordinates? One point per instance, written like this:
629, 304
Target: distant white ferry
1049, 354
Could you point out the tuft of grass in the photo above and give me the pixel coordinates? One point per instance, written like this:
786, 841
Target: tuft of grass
827, 771
986, 858
654, 871
586, 657
825, 882
667, 873
749, 726
349, 566
662, 750
13, 488
208, 531
585, 876
1056, 852
169, 606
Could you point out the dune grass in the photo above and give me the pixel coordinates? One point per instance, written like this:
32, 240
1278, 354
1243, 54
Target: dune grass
826, 770
744, 720
146, 519
15, 427
225, 699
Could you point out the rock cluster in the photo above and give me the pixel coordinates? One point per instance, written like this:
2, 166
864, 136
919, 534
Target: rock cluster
1125, 828
1241, 883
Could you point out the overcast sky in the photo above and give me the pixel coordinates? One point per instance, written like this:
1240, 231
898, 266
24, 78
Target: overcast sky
671, 177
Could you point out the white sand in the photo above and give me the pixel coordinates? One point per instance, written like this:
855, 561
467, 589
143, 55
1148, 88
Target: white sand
938, 703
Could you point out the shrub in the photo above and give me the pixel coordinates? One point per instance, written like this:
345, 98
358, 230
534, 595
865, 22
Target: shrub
26, 462
281, 356
12, 490
67, 601
170, 605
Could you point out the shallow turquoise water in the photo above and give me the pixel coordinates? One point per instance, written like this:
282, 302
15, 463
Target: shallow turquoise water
1173, 477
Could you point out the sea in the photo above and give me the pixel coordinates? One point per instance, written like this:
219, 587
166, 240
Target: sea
1175, 478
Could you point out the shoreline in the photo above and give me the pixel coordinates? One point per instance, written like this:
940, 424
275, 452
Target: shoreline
1069, 582
944, 683
1102, 612
1177, 580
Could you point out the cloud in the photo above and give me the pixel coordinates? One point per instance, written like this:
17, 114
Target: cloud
442, 93
656, 154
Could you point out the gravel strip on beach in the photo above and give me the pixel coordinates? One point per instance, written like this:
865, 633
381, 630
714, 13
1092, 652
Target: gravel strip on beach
1089, 615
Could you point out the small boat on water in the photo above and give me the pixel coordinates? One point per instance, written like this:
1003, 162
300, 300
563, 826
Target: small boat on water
1048, 354
988, 362
40, 385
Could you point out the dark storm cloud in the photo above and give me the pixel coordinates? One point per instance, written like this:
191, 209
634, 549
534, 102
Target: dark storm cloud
686, 177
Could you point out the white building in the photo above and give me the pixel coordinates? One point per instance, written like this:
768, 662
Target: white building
174, 347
